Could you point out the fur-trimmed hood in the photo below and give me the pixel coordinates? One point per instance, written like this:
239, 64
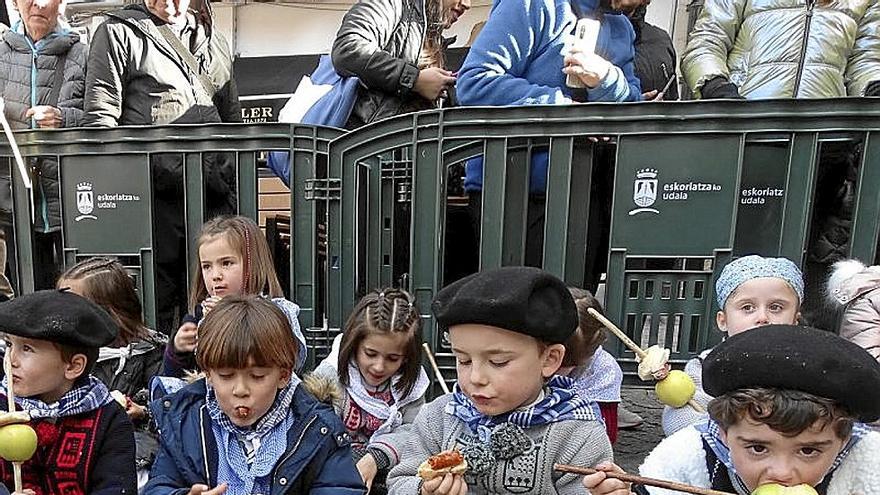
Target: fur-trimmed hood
849, 280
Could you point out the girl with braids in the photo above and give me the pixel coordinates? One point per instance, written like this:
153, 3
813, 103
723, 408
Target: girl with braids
395, 48
234, 259
376, 362
127, 364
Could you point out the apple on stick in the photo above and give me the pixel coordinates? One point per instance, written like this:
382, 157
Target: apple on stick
775, 489
674, 388
18, 442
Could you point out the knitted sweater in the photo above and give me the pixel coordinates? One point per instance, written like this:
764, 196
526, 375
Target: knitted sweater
681, 458
581, 443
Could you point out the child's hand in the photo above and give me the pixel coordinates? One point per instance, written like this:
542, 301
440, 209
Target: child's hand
185, 338
449, 484
599, 484
368, 469
26, 491
209, 303
204, 490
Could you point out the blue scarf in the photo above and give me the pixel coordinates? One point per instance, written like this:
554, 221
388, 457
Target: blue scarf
560, 403
268, 435
711, 433
87, 397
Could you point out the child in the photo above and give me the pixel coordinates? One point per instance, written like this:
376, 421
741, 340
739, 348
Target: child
751, 291
788, 411
856, 289
596, 373
234, 259
129, 362
509, 415
85, 440
249, 426
377, 360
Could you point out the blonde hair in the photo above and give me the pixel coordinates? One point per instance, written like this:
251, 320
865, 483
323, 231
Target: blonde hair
243, 331
243, 235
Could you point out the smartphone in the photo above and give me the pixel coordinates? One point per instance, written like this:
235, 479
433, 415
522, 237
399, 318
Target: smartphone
586, 32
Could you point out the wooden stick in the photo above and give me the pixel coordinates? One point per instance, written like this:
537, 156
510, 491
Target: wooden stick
641, 480
618, 332
435, 368
633, 347
10, 404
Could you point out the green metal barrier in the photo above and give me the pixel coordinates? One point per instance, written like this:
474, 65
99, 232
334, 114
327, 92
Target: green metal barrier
107, 202
715, 180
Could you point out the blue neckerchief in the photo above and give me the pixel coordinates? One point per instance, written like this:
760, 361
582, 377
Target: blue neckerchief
560, 403
86, 397
271, 433
711, 433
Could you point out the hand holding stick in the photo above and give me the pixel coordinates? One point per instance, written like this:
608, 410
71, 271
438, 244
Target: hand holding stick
641, 480
640, 353
10, 403
435, 368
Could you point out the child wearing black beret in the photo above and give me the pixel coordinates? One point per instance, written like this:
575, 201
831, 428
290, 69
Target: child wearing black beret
85, 441
790, 409
509, 415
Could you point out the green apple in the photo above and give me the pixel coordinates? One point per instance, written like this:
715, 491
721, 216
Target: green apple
774, 489
676, 389
17, 442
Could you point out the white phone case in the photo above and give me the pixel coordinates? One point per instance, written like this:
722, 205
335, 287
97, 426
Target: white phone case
586, 33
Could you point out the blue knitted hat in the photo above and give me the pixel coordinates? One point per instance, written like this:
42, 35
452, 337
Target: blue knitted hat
746, 268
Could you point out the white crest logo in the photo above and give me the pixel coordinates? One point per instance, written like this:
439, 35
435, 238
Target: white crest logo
645, 191
85, 201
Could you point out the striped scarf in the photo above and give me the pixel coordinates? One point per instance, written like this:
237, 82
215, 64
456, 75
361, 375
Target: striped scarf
246, 456
561, 402
88, 396
711, 433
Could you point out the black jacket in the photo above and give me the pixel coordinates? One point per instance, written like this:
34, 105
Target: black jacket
380, 42
655, 56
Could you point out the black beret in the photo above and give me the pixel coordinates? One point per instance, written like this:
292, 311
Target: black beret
797, 358
58, 316
517, 298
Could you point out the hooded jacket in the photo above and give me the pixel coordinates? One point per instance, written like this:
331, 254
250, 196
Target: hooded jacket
786, 48
379, 42
856, 288
27, 77
318, 459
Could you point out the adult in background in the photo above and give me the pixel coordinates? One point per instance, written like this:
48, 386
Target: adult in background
655, 58
42, 64
162, 62
758, 49
518, 59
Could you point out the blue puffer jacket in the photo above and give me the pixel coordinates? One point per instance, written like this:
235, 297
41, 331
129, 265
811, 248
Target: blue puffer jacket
318, 460
517, 59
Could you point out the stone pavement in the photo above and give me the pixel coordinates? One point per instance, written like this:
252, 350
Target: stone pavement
633, 445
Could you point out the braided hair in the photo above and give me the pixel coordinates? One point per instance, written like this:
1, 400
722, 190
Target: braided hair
386, 311
105, 282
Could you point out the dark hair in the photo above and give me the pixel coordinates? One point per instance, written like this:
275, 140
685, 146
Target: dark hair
243, 235
385, 311
106, 283
788, 412
69, 351
243, 331
588, 335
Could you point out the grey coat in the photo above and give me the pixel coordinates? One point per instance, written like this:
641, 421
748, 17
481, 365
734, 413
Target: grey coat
380, 42
27, 77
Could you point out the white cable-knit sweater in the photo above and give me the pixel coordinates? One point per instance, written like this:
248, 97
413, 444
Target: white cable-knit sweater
681, 458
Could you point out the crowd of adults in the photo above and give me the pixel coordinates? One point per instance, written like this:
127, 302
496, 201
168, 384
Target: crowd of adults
163, 62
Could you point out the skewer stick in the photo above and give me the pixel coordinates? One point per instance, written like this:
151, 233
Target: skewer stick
633, 347
641, 480
10, 403
435, 368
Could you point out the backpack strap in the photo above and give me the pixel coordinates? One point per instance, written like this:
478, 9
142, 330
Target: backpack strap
188, 59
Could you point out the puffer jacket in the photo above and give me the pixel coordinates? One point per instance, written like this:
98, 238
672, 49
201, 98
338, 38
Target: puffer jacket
379, 41
27, 77
786, 48
856, 288
317, 462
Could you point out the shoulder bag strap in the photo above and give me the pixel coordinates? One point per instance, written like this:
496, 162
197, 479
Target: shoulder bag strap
188, 59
